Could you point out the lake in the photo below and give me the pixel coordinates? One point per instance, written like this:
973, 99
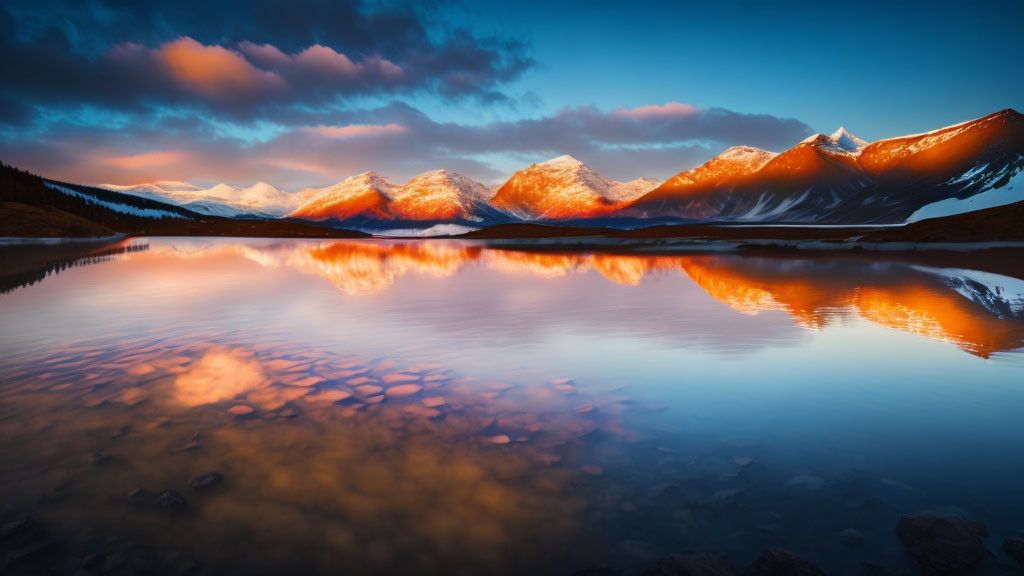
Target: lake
434, 406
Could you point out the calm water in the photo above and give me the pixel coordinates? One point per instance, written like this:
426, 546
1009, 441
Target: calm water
444, 407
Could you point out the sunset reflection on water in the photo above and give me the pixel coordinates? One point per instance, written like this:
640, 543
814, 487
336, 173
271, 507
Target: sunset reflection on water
445, 406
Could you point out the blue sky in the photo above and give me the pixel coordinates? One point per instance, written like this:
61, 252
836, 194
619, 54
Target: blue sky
881, 68
309, 92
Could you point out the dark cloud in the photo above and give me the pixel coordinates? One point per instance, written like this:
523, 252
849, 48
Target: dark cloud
259, 55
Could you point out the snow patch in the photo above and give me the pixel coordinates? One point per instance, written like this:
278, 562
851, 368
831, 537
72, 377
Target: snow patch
1002, 295
435, 230
121, 208
1012, 192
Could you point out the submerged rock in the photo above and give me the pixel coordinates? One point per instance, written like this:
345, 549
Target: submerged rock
433, 401
942, 544
806, 481
1014, 548
403, 390
852, 538
241, 410
206, 480
700, 564
780, 562
170, 501
137, 496
16, 527
598, 571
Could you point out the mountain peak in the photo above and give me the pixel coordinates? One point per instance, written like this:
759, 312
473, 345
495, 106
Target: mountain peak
222, 188
745, 153
563, 161
841, 138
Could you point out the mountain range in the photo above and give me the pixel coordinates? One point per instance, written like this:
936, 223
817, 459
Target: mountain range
825, 179
259, 200
841, 179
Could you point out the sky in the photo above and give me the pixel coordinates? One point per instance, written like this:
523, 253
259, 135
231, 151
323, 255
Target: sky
308, 92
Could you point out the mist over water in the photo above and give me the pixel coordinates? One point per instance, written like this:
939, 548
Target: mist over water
449, 407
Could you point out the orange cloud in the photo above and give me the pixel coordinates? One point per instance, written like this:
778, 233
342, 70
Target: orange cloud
213, 70
664, 111
356, 130
325, 60
147, 160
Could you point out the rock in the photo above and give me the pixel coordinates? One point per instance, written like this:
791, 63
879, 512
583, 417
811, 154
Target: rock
403, 390
15, 527
780, 562
206, 480
806, 481
307, 382
598, 571
1014, 548
241, 410
329, 396
93, 560
701, 564
726, 496
170, 501
132, 396
851, 538
137, 496
26, 551
942, 544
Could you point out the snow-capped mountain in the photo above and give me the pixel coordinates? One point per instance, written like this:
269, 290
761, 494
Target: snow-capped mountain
564, 187
435, 195
840, 178
691, 194
835, 179
260, 199
156, 188
440, 195
984, 156
366, 194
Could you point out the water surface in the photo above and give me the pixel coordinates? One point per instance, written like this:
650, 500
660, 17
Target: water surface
446, 407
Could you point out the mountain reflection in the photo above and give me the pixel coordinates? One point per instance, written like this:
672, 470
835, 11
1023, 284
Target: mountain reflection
816, 293
980, 312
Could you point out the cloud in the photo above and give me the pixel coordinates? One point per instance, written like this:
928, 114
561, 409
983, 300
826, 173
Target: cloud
146, 160
214, 71
355, 130
400, 141
240, 60
669, 111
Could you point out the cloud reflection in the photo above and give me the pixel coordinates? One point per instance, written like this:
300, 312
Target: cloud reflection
221, 374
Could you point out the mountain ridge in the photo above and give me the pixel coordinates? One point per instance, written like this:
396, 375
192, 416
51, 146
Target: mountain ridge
834, 178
